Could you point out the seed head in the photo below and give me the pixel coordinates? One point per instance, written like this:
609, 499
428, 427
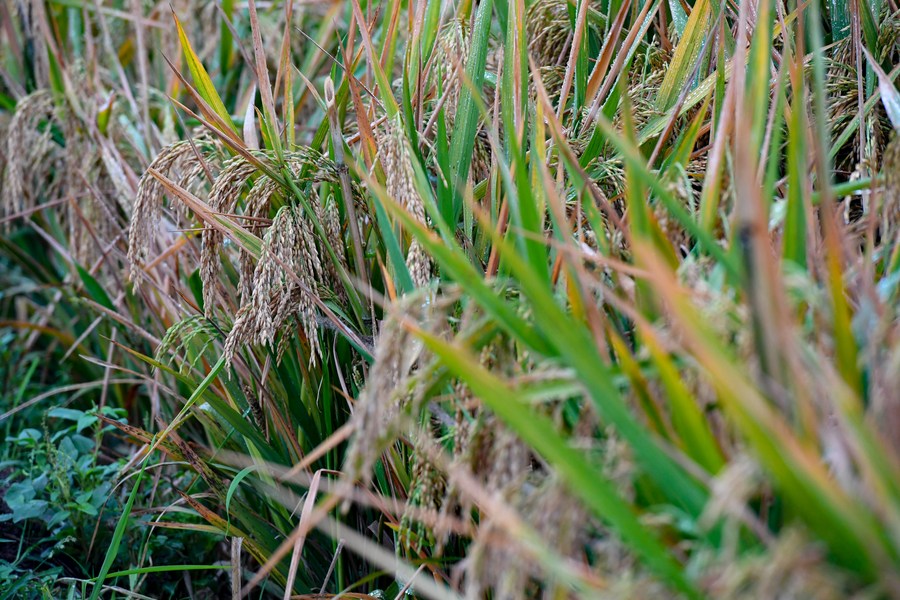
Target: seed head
548, 31
389, 388
288, 254
27, 147
396, 158
178, 161
224, 197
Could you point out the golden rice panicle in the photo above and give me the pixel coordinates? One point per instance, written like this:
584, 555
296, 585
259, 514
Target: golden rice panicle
483, 445
842, 102
27, 147
504, 465
241, 333
196, 168
284, 283
223, 198
90, 213
501, 564
791, 567
332, 221
329, 217
883, 350
268, 277
371, 415
549, 32
427, 489
890, 207
297, 299
146, 213
289, 276
451, 55
418, 262
256, 206
510, 458
396, 158
37, 170
387, 391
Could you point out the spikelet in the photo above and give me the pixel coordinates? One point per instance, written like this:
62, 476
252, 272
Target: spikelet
842, 102
331, 218
482, 444
445, 81
552, 77
500, 565
425, 496
257, 205
454, 501
791, 567
890, 207
5, 121
256, 411
559, 518
883, 348
731, 489
268, 278
643, 92
147, 211
560, 521
240, 334
396, 158
299, 300
38, 170
91, 220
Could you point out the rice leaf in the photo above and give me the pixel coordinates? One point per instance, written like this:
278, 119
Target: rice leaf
201, 78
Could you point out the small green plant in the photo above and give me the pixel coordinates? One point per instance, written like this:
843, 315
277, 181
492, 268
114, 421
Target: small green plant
57, 479
53, 492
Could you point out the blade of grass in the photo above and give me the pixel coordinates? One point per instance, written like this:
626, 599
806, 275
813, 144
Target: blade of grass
202, 81
119, 532
462, 139
686, 53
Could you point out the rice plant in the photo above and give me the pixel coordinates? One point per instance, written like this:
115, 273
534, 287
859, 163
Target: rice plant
503, 299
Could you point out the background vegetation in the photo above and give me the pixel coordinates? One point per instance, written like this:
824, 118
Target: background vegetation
509, 298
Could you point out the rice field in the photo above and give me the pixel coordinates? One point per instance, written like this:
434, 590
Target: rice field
478, 299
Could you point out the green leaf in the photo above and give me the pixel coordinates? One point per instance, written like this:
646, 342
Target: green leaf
679, 17
233, 488
462, 140
68, 414
840, 18
94, 289
890, 97
794, 235
118, 534
196, 286
202, 81
686, 54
